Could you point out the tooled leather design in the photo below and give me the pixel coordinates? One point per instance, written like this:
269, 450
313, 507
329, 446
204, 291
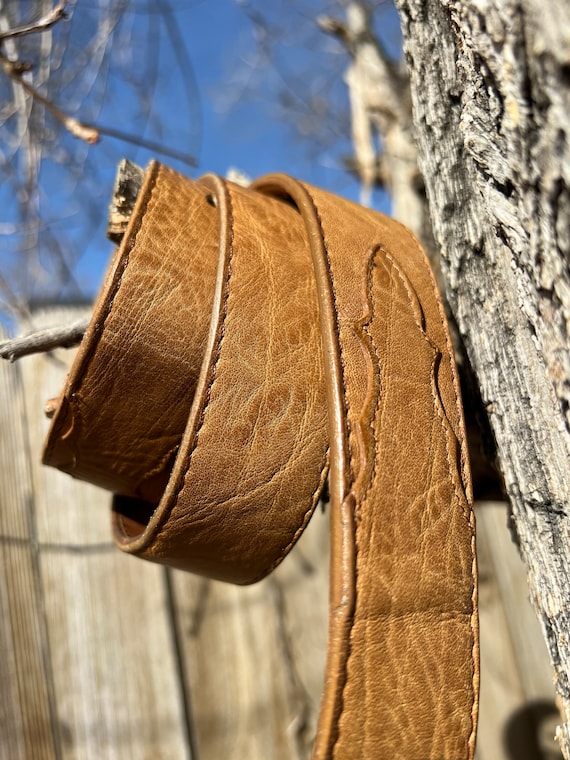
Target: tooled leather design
402, 668
358, 734
358, 718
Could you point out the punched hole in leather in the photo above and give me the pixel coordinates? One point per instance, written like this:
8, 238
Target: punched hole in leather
244, 340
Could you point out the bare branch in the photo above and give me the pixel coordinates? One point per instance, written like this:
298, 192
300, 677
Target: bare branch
44, 340
90, 133
333, 26
84, 132
155, 147
56, 14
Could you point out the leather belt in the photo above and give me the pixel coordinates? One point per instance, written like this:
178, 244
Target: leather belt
242, 340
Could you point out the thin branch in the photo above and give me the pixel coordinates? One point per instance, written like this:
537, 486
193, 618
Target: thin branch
90, 133
56, 14
141, 142
84, 132
44, 340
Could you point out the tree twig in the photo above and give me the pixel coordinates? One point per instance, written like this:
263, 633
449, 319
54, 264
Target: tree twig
90, 133
82, 131
44, 340
156, 147
56, 14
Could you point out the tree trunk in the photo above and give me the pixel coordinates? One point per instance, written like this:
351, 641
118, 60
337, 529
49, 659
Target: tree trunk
491, 97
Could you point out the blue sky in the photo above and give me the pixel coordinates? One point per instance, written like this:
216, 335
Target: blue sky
238, 104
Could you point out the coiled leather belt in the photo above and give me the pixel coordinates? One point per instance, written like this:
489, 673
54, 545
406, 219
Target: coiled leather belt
244, 339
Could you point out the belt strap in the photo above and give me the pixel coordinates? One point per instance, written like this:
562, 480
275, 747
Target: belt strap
243, 338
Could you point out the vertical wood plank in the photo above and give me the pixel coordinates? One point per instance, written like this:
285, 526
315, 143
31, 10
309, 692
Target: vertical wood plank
502, 692
117, 691
518, 715
511, 576
255, 656
26, 698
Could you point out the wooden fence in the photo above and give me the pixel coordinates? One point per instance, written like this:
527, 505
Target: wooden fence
106, 656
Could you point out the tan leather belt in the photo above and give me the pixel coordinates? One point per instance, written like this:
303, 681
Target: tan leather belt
242, 339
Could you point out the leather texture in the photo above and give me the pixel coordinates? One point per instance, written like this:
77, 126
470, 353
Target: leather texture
243, 339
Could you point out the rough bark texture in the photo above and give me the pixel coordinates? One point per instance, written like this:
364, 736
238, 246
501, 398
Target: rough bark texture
128, 183
44, 340
491, 97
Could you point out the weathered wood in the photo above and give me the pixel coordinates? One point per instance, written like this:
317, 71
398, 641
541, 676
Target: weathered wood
491, 102
92, 637
128, 183
255, 655
26, 679
65, 336
518, 714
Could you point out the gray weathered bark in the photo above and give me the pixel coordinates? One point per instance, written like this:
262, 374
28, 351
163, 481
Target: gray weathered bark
491, 99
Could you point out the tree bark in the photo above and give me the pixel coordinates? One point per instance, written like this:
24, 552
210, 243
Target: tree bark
490, 89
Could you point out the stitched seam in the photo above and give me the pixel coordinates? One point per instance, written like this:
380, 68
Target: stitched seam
337, 324
374, 419
444, 424
443, 320
437, 400
100, 326
306, 517
208, 393
458, 495
193, 447
351, 466
470, 514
